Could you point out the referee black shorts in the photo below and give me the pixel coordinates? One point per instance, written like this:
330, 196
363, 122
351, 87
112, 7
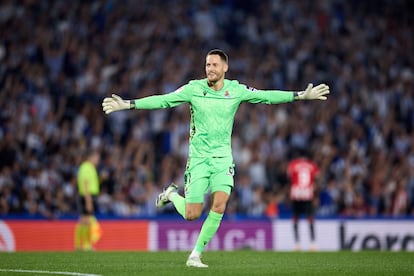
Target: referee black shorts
82, 206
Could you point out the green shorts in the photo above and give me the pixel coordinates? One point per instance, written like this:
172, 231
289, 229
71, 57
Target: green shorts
203, 174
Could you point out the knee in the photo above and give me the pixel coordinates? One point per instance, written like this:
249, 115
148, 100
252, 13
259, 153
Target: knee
192, 215
219, 202
218, 208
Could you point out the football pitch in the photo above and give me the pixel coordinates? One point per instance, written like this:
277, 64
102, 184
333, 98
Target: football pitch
243, 262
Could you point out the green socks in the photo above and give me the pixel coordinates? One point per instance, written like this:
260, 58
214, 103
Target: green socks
208, 230
78, 236
179, 203
210, 225
82, 237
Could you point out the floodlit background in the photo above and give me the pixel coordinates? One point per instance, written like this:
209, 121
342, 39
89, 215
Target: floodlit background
59, 59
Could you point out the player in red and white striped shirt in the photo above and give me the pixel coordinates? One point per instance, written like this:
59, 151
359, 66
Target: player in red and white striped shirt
302, 173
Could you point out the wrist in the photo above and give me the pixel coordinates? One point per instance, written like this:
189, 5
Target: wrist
295, 95
132, 104
298, 95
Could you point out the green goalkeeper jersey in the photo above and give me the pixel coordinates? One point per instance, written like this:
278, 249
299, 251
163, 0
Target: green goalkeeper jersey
212, 112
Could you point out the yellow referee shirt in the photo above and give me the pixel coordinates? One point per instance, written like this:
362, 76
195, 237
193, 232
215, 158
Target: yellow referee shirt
87, 173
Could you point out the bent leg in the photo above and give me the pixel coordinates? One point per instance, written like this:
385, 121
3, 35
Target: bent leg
179, 203
193, 210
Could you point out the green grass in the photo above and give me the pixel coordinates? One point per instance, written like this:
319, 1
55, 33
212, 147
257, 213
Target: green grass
221, 263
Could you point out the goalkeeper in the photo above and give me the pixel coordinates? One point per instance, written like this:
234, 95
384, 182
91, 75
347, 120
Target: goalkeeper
213, 104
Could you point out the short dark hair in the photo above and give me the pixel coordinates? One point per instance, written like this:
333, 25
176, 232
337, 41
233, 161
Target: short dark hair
224, 57
88, 153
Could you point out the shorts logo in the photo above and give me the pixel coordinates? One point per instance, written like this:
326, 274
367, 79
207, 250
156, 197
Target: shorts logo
230, 171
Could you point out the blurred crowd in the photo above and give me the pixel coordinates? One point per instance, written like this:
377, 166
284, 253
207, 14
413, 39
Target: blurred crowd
59, 59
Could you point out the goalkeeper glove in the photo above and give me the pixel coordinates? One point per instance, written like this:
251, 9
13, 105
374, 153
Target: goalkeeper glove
313, 93
116, 103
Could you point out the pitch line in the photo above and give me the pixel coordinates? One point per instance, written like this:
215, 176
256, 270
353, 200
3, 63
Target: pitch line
48, 272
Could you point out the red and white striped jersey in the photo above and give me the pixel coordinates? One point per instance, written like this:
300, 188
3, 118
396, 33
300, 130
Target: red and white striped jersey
302, 174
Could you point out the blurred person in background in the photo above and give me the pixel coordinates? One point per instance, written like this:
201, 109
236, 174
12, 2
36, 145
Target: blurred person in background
302, 173
87, 230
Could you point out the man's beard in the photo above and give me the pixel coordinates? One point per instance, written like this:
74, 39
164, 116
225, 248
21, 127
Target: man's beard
213, 81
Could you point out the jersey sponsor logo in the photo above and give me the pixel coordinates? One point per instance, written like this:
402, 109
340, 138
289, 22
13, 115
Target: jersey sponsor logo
252, 89
302, 193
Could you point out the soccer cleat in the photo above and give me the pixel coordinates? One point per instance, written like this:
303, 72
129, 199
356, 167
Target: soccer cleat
162, 198
195, 262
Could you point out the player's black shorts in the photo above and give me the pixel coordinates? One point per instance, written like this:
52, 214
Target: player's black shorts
302, 207
82, 206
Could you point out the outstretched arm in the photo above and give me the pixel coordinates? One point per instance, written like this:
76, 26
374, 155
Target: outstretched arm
116, 103
279, 96
318, 92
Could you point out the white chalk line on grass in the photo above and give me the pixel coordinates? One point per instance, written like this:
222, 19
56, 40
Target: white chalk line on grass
48, 272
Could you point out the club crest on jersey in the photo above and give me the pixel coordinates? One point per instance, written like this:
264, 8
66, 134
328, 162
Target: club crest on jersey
227, 94
251, 88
